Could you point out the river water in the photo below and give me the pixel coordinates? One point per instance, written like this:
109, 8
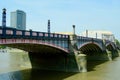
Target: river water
15, 65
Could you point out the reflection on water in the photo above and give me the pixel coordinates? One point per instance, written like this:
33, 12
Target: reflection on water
11, 76
14, 66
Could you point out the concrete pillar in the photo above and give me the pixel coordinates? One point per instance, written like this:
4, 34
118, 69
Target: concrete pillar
118, 52
77, 58
82, 62
109, 54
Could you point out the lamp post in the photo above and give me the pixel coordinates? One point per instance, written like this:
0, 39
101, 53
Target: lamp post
4, 18
73, 29
86, 33
48, 26
96, 35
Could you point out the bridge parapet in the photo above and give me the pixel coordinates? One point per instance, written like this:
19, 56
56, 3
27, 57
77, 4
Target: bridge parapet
50, 38
15, 33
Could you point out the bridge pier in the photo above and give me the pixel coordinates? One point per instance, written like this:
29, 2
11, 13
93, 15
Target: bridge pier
80, 59
115, 53
109, 54
112, 54
72, 62
118, 52
81, 62
76, 62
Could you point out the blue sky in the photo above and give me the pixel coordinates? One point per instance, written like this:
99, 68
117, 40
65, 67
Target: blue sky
85, 14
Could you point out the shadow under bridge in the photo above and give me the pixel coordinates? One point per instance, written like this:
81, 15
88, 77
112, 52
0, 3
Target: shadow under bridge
44, 57
93, 51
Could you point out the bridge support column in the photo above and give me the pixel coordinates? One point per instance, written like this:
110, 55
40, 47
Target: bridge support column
109, 54
118, 52
79, 58
73, 62
115, 53
76, 62
82, 62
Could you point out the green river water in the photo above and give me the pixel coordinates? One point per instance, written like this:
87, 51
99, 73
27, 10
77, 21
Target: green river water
16, 66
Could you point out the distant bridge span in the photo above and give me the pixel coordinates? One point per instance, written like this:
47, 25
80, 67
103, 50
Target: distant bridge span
90, 46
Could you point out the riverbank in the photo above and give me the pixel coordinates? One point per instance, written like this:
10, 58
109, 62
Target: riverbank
13, 60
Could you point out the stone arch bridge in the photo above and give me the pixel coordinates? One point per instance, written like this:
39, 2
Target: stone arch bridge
58, 51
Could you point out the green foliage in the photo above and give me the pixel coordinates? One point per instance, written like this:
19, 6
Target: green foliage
2, 47
117, 42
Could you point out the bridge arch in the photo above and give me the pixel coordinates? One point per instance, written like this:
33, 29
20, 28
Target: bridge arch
110, 46
32, 45
90, 47
42, 55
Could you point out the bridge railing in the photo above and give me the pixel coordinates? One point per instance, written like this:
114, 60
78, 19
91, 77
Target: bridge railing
15, 33
59, 40
86, 39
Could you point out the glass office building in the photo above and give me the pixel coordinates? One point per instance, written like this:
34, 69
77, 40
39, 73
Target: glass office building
18, 20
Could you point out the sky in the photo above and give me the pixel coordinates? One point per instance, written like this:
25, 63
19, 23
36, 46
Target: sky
84, 14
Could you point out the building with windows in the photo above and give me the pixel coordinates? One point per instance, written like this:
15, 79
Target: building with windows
18, 20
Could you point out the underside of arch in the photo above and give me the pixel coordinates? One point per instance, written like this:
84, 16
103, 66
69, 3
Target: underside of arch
112, 50
110, 47
44, 57
36, 48
90, 49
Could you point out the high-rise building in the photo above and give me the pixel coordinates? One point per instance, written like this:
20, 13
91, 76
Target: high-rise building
18, 20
